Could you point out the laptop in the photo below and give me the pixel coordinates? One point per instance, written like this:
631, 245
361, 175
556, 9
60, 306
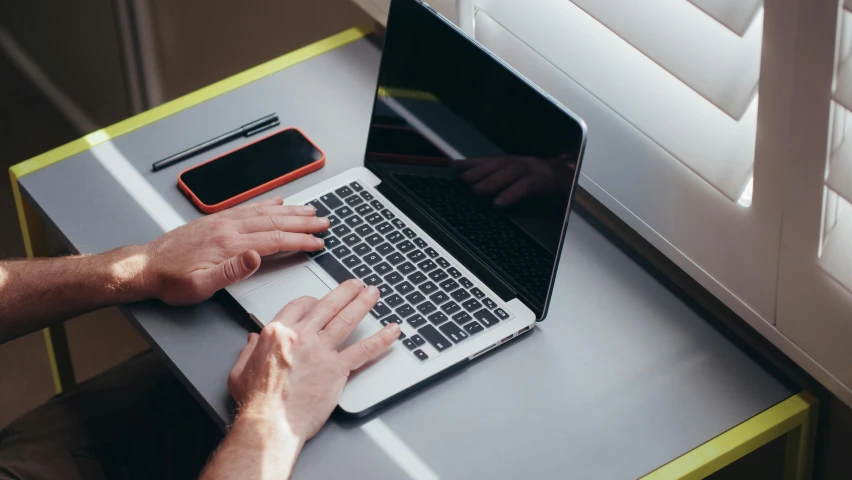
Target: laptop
457, 214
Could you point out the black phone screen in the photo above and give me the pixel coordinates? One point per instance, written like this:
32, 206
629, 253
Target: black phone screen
251, 166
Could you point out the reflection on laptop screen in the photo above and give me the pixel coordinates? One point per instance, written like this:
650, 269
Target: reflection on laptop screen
483, 158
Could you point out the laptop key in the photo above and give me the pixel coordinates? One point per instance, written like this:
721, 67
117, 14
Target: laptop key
418, 340
427, 265
341, 251
321, 210
372, 258
477, 292
367, 196
465, 282
405, 310
453, 332
354, 201
404, 288
364, 230
384, 228
416, 256
394, 301
377, 205
331, 200
323, 234
391, 319
333, 268
437, 318
331, 242
341, 230
409, 344
426, 308
405, 246
439, 297
438, 275
356, 186
417, 278
374, 239
473, 328
364, 210
431, 252
489, 303
351, 239
420, 242
416, 321
398, 223
501, 313
333, 221
486, 318
448, 285
421, 355
361, 249
460, 295
450, 308
409, 233
374, 218
351, 261
395, 237
472, 305
380, 310
393, 278
428, 288
388, 214
385, 289
406, 268
443, 263
415, 298
453, 271
395, 258
434, 338
373, 279
385, 248
362, 271
344, 212
462, 317
383, 268
354, 221
344, 191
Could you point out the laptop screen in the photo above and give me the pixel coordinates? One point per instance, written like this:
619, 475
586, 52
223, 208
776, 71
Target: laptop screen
482, 160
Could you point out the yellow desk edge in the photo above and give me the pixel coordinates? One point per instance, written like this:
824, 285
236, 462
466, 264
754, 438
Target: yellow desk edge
31, 226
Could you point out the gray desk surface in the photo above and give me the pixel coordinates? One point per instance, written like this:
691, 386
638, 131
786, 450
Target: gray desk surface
621, 378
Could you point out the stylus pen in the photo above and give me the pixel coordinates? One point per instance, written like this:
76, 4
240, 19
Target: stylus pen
247, 130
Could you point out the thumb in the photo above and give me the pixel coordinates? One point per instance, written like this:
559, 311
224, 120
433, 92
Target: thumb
232, 270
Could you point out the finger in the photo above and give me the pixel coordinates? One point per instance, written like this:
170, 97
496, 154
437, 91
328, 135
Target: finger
347, 319
243, 358
468, 163
295, 311
331, 304
281, 210
516, 192
241, 209
228, 272
355, 356
480, 171
289, 223
499, 180
267, 243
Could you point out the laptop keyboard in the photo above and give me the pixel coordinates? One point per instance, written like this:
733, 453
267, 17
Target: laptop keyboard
420, 290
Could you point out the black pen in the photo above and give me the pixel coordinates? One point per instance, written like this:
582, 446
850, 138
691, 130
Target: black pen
247, 130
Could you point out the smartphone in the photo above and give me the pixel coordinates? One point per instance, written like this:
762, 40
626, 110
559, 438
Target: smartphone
251, 170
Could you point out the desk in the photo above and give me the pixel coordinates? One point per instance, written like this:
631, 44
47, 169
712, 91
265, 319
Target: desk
621, 380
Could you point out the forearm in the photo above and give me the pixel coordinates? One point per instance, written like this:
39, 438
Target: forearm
36, 293
259, 446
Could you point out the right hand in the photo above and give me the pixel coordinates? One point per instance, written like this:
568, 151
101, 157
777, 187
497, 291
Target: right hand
294, 369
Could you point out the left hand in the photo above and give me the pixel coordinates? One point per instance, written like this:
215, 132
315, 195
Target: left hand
189, 264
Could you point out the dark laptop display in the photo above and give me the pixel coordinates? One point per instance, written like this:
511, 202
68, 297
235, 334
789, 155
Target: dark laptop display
484, 161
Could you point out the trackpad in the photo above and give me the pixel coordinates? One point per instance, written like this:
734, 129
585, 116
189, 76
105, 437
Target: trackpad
268, 300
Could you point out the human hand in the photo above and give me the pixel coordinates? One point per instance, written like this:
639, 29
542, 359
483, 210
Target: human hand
508, 179
189, 264
293, 369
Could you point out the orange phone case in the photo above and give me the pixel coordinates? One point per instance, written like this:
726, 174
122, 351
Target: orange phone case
289, 177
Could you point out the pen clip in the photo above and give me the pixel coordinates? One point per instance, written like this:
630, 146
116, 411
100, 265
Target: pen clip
262, 128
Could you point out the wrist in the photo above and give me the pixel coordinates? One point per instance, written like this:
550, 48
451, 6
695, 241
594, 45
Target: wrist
269, 417
130, 274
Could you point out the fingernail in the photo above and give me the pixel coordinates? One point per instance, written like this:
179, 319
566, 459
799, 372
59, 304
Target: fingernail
324, 220
319, 241
309, 209
372, 290
358, 283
